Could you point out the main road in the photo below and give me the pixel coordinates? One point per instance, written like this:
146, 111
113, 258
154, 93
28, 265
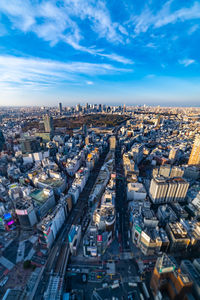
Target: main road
58, 255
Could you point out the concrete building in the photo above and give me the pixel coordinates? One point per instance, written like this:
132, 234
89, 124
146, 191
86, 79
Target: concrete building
176, 172
150, 241
43, 200
30, 145
43, 180
165, 171
182, 188
164, 190
166, 215
48, 124
195, 153
158, 190
60, 107
174, 154
112, 141
193, 229
137, 153
136, 191
49, 227
179, 210
167, 279
26, 213
179, 239
188, 267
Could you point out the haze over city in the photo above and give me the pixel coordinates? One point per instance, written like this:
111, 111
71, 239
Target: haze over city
113, 52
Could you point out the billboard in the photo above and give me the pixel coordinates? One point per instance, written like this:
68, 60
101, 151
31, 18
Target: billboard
13, 186
138, 228
99, 238
10, 223
7, 216
21, 212
145, 236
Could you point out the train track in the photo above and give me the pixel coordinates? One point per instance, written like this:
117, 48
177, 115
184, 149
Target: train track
59, 254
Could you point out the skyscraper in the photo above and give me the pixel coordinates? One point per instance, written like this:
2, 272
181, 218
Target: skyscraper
60, 107
112, 141
195, 153
30, 145
48, 123
2, 140
168, 279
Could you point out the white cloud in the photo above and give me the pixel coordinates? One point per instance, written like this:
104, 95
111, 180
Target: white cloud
35, 72
163, 17
117, 58
55, 22
186, 62
193, 29
151, 45
89, 82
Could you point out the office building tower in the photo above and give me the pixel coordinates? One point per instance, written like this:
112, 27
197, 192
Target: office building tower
2, 140
112, 141
189, 268
78, 108
178, 236
137, 153
26, 213
165, 170
158, 189
195, 153
176, 172
170, 280
173, 154
60, 107
30, 145
182, 188
166, 190
124, 108
48, 123
84, 129
157, 120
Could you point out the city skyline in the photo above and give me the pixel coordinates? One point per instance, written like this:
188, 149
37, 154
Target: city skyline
144, 52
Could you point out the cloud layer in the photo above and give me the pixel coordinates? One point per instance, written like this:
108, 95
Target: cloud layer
82, 42
26, 72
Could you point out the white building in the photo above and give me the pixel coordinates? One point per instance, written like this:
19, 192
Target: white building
136, 191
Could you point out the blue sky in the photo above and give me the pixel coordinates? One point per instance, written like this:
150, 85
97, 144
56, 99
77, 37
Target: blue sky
96, 51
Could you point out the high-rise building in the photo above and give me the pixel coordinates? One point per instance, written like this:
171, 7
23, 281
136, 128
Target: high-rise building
165, 170
112, 141
60, 107
84, 129
195, 153
30, 145
124, 108
2, 140
48, 123
158, 189
169, 279
165, 190
173, 154
176, 172
78, 108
